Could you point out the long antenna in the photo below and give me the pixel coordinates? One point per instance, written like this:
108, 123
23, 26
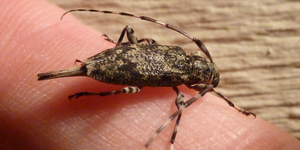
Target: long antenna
198, 42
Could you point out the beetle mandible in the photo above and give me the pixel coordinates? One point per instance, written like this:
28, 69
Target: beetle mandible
139, 65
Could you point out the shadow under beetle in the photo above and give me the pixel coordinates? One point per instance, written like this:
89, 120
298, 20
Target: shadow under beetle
139, 65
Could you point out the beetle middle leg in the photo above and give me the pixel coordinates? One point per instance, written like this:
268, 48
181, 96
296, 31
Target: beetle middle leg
180, 104
183, 104
132, 39
148, 40
127, 90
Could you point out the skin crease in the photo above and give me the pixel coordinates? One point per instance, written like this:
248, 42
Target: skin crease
38, 115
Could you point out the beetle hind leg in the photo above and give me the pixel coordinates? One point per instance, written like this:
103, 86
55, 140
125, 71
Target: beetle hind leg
127, 90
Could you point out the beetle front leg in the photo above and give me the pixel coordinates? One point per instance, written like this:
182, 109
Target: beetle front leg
247, 113
127, 90
200, 87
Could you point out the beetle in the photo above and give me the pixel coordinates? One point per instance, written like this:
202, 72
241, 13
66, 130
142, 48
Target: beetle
139, 65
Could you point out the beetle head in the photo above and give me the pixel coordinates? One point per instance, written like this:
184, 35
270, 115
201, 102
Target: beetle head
204, 73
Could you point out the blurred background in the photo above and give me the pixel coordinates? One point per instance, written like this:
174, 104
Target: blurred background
255, 45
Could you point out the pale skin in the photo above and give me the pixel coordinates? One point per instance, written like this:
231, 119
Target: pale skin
38, 115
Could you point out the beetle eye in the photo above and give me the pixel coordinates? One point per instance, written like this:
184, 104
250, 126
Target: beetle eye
216, 80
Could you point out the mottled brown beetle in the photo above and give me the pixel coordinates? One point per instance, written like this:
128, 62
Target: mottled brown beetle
140, 65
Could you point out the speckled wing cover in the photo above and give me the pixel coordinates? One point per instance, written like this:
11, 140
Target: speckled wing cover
141, 65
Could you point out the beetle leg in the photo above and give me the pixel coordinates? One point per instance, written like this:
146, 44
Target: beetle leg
108, 39
132, 39
180, 104
200, 87
127, 90
79, 61
247, 113
148, 40
178, 112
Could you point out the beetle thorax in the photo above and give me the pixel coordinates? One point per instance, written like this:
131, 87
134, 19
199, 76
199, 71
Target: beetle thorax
204, 72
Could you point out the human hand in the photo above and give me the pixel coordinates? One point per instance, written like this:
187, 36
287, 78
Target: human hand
38, 115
